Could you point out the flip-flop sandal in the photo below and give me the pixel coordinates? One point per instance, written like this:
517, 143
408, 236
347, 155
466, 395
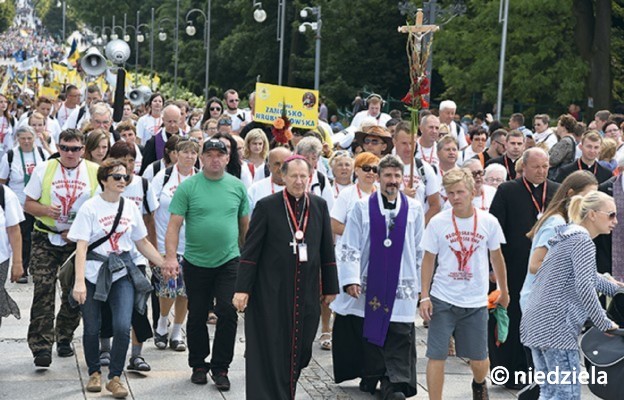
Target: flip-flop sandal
326, 340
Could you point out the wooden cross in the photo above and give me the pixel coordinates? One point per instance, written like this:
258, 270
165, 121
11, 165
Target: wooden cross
374, 303
418, 29
293, 244
417, 62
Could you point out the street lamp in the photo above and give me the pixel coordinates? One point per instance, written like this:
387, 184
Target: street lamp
190, 30
114, 35
259, 14
315, 27
138, 38
64, 5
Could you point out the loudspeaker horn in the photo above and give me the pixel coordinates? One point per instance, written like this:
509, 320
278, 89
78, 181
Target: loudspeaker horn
117, 51
139, 96
93, 63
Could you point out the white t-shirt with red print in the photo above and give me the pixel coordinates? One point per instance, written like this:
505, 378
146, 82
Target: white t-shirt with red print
16, 173
462, 275
95, 220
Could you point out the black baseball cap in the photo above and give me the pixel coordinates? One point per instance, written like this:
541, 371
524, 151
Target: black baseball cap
215, 144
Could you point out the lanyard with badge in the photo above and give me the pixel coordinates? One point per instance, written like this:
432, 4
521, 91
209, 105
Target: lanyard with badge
26, 174
298, 228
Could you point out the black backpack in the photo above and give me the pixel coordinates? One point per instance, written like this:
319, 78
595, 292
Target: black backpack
11, 154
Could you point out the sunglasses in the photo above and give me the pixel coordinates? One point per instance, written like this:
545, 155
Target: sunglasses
72, 149
371, 141
611, 214
477, 173
233, 101
119, 177
215, 108
369, 168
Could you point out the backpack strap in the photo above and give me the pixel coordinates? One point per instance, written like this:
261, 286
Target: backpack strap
168, 172
321, 180
145, 184
2, 197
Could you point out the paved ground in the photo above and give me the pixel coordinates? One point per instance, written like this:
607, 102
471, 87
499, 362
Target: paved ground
169, 379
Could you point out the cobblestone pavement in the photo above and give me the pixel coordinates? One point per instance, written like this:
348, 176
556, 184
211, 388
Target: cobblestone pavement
169, 378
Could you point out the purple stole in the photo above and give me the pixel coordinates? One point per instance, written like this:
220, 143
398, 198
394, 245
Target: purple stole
383, 270
617, 250
159, 144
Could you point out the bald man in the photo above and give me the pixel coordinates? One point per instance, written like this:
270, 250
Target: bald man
272, 184
517, 205
155, 147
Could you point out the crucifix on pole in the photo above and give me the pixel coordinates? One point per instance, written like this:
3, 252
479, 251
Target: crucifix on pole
417, 56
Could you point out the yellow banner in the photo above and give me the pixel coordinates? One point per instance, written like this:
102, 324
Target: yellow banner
301, 105
48, 92
60, 72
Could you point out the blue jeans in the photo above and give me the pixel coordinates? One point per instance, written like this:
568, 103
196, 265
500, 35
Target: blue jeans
547, 360
121, 302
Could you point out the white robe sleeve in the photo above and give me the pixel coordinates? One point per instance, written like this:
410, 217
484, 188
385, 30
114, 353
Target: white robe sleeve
348, 257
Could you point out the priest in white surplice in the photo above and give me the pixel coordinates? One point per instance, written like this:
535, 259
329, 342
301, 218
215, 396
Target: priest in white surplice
378, 259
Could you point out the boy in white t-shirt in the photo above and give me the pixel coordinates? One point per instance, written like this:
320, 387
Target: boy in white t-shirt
456, 301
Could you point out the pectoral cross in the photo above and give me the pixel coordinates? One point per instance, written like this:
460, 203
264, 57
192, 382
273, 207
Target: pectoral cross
293, 244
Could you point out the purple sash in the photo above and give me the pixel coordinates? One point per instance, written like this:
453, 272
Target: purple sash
159, 144
383, 270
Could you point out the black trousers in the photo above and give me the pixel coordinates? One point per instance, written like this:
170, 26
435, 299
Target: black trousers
26, 228
202, 286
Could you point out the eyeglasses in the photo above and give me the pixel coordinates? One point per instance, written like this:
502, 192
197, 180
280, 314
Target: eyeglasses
500, 143
479, 139
215, 108
369, 168
119, 177
494, 180
611, 214
477, 173
372, 141
72, 149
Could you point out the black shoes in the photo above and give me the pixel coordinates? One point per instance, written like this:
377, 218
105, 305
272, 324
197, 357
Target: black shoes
177, 345
389, 391
199, 376
368, 385
43, 359
64, 349
221, 380
160, 341
480, 391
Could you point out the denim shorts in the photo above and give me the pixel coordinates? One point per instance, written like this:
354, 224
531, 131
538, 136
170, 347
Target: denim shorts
467, 325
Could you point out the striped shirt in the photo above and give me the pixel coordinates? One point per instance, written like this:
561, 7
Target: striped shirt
564, 293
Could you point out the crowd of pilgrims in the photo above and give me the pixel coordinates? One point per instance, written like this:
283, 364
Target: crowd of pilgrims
543, 203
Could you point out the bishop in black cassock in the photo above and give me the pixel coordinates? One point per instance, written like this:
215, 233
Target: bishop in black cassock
283, 309
516, 205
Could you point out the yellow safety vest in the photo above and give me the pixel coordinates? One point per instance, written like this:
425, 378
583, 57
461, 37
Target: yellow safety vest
46, 187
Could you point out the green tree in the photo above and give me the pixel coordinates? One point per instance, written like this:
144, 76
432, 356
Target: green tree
542, 66
7, 14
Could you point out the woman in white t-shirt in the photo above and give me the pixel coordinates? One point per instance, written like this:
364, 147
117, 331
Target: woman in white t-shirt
7, 124
107, 273
150, 123
255, 153
43, 138
16, 174
341, 165
10, 218
172, 291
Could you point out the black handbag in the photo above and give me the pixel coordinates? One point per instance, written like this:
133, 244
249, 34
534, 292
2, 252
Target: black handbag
67, 272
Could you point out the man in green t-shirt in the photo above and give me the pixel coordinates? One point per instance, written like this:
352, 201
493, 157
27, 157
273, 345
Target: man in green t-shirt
215, 207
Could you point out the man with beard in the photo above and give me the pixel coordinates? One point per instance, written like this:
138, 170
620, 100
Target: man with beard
517, 205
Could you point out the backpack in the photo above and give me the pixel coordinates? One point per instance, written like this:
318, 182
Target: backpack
420, 167
321, 182
2, 197
11, 154
145, 183
168, 172
252, 169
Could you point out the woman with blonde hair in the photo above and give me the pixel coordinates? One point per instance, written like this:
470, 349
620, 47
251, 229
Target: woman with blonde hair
43, 139
255, 153
97, 146
565, 294
607, 154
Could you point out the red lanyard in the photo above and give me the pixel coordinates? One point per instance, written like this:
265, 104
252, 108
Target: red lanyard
272, 187
472, 238
180, 175
293, 217
483, 200
537, 207
72, 197
360, 192
157, 125
422, 150
338, 190
507, 166
581, 168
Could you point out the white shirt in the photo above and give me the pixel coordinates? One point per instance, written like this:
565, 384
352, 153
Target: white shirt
428, 154
138, 160
134, 192
11, 215
337, 188
237, 117
162, 214
246, 177
68, 186
466, 154
457, 132
423, 189
7, 136
15, 174
147, 126
260, 190
381, 119
462, 280
353, 257
63, 114
52, 126
258, 172
344, 204
95, 219
149, 171
73, 122
327, 190
547, 137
